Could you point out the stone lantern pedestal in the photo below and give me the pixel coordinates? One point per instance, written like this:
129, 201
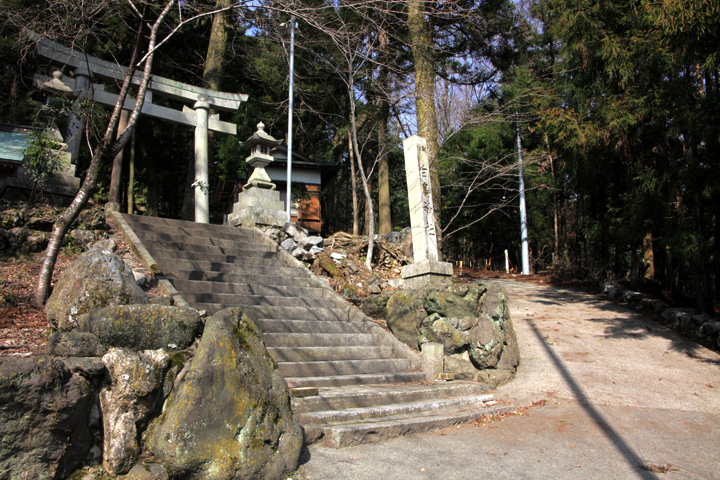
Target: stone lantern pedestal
259, 203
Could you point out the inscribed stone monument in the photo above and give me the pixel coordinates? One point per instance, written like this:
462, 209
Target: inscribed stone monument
427, 270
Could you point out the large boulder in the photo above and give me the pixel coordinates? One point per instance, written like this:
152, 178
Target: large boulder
493, 341
405, 314
98, 278
229, 415
44, 418
134, 394
142, 327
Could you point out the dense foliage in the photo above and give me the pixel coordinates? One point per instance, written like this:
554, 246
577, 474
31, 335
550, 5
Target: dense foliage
616, 103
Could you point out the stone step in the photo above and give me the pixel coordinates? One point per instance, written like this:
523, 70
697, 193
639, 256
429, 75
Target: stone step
258, 259
378, 430
141, 223
342, 367
269, 325
229, 299
372, 396
306, 354
319, 340
289, 313
245, 268
270, 281
213, 253
346, 415
225, 287
366, 379
198, 243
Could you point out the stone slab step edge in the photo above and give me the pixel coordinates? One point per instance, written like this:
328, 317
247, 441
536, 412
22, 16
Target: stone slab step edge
303, 354
201, 243
290, 313
255, 288
364, 379
394, 409
343, 367
279, 325
264, 268
187, 227
256, 257
239, 278
313, 304
319, 340
359, 397
339, 436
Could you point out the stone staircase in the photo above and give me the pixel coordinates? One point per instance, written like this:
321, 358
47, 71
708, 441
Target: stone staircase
370, 386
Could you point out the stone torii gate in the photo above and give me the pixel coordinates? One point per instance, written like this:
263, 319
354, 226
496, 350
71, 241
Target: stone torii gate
80, 85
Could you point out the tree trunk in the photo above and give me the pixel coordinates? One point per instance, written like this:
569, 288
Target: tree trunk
215, 56
384, 216
116, 176
368, 214
105, 149
422, 48
131, 177
648, 256
353, 186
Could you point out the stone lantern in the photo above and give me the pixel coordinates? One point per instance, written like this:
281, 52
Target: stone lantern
259, 203
260, 145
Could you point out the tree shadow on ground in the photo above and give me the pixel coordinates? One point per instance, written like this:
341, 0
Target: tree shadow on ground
630, 456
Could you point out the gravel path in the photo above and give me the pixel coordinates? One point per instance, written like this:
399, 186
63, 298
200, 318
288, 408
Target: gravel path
624, 397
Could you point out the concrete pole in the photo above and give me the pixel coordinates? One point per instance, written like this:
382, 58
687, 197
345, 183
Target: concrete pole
73, 137
290, 121
523, 211
201, 184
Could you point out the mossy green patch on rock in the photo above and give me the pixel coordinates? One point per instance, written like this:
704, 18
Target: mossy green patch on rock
143, 327
405, 314
230, 415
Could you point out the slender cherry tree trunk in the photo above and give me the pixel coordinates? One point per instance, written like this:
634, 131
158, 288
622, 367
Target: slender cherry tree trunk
105, 149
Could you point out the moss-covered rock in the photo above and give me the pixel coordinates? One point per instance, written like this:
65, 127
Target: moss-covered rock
97, 279
493, 341
142, 327
230, 415
405, 314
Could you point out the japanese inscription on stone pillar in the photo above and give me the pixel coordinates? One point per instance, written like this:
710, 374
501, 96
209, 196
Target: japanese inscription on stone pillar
422, 218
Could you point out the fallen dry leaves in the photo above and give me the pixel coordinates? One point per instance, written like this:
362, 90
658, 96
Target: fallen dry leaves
23, 327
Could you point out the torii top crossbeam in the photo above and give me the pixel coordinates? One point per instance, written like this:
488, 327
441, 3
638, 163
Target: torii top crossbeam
89, 66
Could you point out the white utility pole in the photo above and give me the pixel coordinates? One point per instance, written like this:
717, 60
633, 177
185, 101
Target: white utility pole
290, 119
523, 211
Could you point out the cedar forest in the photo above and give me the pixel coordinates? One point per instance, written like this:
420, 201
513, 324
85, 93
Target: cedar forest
615, 103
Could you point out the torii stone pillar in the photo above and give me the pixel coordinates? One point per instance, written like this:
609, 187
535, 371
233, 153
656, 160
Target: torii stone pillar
427, 271
202, 177
75, 125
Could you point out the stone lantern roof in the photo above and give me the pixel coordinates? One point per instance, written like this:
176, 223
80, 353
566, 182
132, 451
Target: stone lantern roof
261, 137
